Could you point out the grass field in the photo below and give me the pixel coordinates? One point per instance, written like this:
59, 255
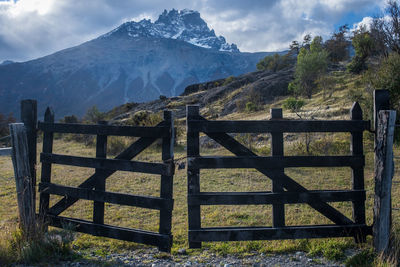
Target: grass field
216, 180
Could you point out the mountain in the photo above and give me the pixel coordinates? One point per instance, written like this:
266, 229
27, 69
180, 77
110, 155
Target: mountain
136, 62
185, 25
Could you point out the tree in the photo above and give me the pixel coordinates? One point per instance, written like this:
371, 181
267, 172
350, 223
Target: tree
338, 45
294, 48
386, 76
386, 29
364, 47
311, 64
274, 62
94, 115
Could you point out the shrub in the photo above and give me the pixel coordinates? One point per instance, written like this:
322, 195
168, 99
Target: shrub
41, 247
70, 119
251, 107
275, 62
144, 118
228, 80
364, 258
94, 115
293, 104
240, 104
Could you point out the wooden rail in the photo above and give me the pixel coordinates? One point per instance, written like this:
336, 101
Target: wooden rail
94, 188
284, 189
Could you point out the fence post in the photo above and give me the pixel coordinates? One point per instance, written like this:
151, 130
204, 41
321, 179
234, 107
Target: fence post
193, 174
46, 167
101, 152
383, 179
29, 118
381, 102
166, 190
357, 174
278, 210
23, 181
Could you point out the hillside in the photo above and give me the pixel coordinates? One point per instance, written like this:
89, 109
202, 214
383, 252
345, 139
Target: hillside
218, 98
227, 98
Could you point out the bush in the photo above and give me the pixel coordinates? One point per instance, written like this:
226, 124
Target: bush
144, 118
94, 115
228, 80
293, 104
251, 107
364, 258
42, 247
275, 62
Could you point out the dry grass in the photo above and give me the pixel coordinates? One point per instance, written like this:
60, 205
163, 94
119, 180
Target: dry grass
216, 180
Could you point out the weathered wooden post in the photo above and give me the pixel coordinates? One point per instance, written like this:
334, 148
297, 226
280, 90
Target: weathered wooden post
278, 210
383, 179
381, 102
101, 152
357, 173
24, 183
167, 184
193, 174
46, 167
29, 118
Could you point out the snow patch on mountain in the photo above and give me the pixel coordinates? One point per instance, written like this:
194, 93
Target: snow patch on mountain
185, 25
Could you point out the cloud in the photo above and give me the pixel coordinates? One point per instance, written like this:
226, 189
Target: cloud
34, 28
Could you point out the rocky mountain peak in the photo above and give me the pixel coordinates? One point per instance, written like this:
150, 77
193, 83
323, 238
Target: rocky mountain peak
185, 25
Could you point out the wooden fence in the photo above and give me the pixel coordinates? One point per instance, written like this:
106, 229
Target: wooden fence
284, 189
94, 187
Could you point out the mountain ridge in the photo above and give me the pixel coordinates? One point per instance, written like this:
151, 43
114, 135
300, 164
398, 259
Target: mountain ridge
118, 68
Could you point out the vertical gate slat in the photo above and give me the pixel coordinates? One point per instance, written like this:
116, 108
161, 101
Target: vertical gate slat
357, 173
46, 167
101, 152
278, 210
193, 174
166, 190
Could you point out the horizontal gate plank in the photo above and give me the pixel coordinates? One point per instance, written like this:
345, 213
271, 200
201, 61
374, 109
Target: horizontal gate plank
109, 164
238, 149
276, 162
269, 233
133, 235
75, 128
132, 151
147, 202
292, 126
262, 198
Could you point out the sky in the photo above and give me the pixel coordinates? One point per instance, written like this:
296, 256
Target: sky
34, 28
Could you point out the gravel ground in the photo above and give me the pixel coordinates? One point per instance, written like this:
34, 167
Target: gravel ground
151, 257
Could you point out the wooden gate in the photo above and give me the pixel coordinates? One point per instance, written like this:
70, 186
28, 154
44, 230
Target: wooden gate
94, 187
284, 189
